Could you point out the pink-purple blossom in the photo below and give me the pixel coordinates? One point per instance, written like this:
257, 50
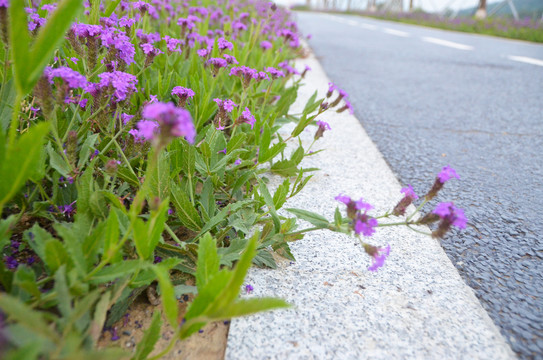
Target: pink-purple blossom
446, 174
172, 121
226, 105
450, 213
224, 44
122, 84
70, 77
379, 256
247, 117
266, 45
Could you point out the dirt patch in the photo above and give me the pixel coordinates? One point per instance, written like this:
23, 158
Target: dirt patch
209, 344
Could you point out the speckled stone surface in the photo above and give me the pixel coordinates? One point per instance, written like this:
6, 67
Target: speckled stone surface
416, 307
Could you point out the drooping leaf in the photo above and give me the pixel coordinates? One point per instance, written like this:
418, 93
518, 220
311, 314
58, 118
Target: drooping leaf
169, 301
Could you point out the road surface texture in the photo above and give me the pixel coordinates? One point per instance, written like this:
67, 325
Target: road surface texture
430, 98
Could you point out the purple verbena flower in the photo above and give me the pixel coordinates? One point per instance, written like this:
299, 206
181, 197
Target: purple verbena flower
70, 77
230, 59
365, 225
247, 117
173, 121
226, 105
266, 45
447, 211
323, 126
225, 44
249, 288
122, 84
379, 256
446, 174
11, 262
275, 73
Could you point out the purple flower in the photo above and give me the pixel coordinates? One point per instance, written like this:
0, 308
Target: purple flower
249, 288
123, 84
409, 192
323, 126
70, 77
11, 262
202, 52
266, 45
173, 121
157, 260
446, 174
183, 93
225, 105
222, 151
172, 43
247, 117
147, 130
379, 256
237, 162
126, 22
275, 73
86, 31
450, 213
185, 23
218, 63
230, 59
245, 73
225, 44
365, 225
114, 335
4, 4
343, 198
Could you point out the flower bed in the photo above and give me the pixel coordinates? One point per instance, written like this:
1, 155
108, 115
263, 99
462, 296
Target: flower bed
134, 151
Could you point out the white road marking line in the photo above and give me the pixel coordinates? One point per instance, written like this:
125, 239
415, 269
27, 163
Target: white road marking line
447, 43
396, 32
367, 26
351, 22
527, 60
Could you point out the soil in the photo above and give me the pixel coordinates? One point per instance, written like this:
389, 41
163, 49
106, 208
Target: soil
209, 344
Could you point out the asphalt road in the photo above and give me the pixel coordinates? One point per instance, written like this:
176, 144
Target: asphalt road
430, 98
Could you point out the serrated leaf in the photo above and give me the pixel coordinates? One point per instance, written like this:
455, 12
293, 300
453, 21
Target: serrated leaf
25, 316
208, 260
280, 195
264, 258
311, 217
63, 294
169, 301
26, 280
269, 202
187, 213
116, 271
55, 255
100, 313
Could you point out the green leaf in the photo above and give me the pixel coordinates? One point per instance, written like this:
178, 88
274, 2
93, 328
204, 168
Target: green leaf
187, 213
264, 145
281, 193
184, 289
309, 104
26, 280
160, 177
63, 294
112, 237
338, 219
6, 106
149, 339
57, 162
302, 124
111, 8
264, 258
20, 45
236, 142
116, 271
50, 38
147, 234
100, 313
86, 150
25, 316
169, 301
55, 255
251, 306
215, 220
72, 243
269, 202
208, 260
20, 161
311, 217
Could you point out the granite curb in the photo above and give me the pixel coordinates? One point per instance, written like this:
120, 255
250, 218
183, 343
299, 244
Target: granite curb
417, 306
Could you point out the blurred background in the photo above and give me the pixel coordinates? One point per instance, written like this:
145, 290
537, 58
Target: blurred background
516, 9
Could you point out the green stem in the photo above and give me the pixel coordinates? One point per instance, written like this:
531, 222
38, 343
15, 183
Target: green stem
417, 210
172, 234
